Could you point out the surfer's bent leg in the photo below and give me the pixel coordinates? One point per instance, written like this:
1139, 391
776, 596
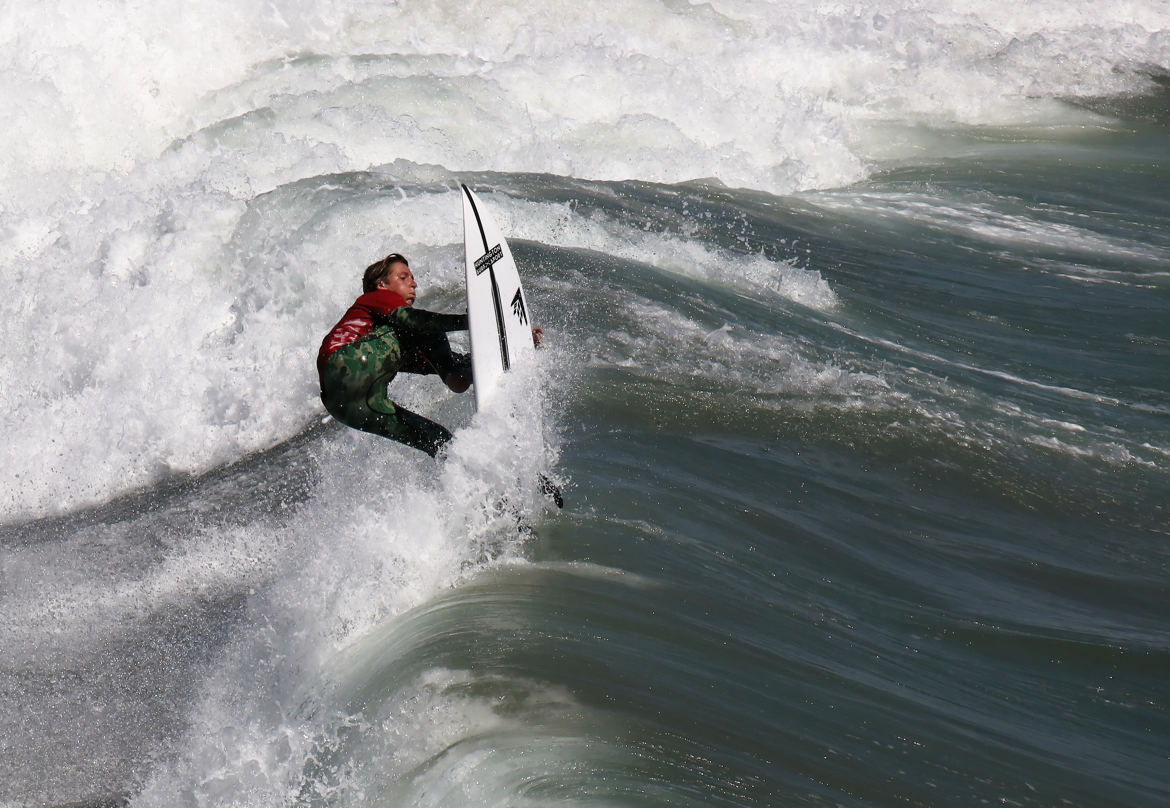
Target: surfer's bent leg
431, 353
426, 349
398, 423
354, 392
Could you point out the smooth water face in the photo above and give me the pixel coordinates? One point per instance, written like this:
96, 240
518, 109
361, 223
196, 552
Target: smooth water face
857, 323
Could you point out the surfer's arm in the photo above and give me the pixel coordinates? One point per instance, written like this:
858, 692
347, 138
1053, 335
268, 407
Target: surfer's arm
423, 322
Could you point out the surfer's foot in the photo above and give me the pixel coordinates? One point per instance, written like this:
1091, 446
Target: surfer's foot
552, 491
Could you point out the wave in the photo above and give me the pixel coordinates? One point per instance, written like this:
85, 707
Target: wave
803, 412
206, 211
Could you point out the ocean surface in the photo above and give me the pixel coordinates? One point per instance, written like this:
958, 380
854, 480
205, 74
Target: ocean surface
857, 324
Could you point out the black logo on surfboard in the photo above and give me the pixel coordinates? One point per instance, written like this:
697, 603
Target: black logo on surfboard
485, 261
518, 308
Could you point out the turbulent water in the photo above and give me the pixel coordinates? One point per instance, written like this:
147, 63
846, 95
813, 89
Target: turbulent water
857, 327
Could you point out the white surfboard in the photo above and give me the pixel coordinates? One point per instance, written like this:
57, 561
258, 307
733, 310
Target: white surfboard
497, 310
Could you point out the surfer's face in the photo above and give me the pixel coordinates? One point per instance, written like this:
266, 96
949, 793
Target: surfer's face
400, 280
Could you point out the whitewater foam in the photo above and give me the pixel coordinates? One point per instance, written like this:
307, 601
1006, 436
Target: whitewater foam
758, 95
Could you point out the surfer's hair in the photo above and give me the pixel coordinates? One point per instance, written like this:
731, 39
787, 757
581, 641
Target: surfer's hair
378, 270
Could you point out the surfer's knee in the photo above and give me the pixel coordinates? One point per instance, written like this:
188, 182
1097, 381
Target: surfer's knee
457, 376
335, 406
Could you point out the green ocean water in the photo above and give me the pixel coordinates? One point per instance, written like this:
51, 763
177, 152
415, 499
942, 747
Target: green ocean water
936, 578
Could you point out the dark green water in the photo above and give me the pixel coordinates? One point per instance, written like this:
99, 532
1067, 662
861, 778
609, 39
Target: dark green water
908, 547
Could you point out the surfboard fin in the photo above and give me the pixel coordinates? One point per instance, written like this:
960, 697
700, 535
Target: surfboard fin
552, 491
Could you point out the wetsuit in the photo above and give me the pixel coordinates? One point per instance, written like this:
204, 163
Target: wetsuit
377, 337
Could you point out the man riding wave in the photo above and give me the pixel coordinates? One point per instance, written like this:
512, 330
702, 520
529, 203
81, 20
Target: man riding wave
381, 335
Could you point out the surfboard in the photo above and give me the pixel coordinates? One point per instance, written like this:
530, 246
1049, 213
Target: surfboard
497, 310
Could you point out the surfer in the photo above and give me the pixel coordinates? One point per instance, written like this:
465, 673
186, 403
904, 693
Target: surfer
381, 335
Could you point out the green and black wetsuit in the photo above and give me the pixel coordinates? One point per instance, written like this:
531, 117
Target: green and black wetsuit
380, 336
